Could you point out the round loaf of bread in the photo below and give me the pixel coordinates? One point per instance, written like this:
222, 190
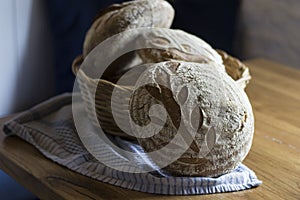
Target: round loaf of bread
209, 111
178, 45
128, 15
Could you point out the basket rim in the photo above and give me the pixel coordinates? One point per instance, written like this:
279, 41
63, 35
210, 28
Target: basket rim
77, 71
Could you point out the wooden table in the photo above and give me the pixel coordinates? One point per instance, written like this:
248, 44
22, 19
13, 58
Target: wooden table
275, 155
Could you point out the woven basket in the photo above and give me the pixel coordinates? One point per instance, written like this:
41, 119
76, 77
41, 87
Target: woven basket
236, 69
102, 99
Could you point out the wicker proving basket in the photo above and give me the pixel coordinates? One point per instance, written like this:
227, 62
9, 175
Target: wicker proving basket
236, 69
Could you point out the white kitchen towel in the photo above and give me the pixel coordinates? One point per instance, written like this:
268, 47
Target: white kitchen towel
50, 128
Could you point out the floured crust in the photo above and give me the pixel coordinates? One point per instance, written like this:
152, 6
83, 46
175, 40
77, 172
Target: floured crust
128, 15
225, 125
178, 45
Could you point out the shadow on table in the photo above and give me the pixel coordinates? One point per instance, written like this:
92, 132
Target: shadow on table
11, 190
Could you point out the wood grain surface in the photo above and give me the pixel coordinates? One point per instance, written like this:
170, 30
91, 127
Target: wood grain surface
275, 154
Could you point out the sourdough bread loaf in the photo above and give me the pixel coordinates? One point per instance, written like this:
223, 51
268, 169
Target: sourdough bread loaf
201, 103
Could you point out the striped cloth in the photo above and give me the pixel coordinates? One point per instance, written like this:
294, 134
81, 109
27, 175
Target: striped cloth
50, 128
